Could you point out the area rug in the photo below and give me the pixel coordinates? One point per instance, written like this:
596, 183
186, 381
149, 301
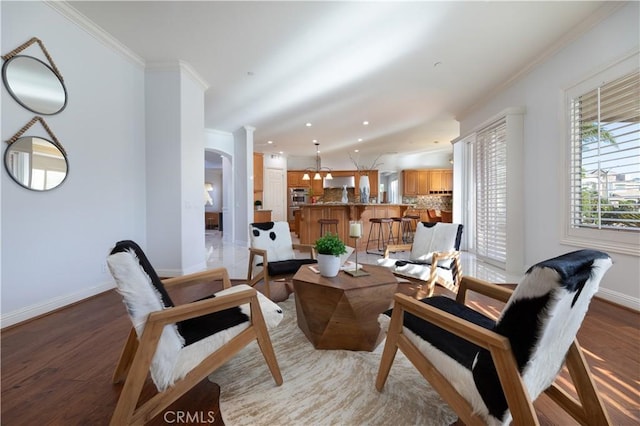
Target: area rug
323, 387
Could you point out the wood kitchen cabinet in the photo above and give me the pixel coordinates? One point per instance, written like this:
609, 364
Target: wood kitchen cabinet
294, 179
428, 181
258, 175
410, 182
441, 181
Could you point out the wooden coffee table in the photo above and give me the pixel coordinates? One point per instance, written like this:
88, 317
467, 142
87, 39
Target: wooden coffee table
342, 312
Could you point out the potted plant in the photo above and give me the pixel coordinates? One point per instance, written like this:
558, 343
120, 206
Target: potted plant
329, 248
257, 204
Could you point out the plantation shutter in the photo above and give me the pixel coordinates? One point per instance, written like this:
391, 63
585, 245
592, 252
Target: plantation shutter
491, 193
605, 156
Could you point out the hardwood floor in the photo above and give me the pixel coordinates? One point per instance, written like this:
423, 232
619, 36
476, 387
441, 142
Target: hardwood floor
57, 369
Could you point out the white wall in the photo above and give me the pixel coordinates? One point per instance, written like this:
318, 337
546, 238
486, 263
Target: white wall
54, 243
540, 92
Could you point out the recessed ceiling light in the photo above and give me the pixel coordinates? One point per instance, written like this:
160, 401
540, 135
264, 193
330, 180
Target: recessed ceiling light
281, 152
308, 124
356, 150
365, 123
359, 139
269, 142
315, 141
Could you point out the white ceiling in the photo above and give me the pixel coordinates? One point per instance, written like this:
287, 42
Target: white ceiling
409, 68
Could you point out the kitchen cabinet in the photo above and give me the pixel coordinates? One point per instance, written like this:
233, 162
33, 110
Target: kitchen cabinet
428, 181
441, 181
409, 182
258, 176
294, 179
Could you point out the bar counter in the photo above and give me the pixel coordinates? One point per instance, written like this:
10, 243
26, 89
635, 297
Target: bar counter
309, 230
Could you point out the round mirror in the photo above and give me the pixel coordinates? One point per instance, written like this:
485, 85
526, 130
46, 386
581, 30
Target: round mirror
36, 163
34, 85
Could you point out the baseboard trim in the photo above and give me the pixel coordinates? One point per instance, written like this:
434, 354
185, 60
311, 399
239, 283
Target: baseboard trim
39, 309
619, 299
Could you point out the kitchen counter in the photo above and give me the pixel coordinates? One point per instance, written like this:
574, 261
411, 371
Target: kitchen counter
309, 230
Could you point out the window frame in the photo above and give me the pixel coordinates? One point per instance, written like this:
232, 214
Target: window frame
619, 241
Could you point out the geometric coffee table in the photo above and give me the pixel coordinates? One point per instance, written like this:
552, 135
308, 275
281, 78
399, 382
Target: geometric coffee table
342, 312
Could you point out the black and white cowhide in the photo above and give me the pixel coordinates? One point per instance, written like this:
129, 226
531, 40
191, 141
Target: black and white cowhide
275, 238
184, 345
541, 320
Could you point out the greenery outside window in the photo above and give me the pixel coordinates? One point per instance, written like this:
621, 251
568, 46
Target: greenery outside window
604, 161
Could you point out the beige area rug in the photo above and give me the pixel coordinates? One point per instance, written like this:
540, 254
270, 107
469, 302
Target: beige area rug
323, 387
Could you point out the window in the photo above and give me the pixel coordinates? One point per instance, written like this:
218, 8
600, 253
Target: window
604, 162
491, 193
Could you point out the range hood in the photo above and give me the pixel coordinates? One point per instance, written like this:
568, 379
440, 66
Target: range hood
339, 182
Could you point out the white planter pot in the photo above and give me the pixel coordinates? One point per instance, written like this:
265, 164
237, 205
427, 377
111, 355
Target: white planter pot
329, 265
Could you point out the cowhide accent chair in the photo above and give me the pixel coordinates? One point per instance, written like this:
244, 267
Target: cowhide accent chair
434, 257
271, 244
491, 371
181, 345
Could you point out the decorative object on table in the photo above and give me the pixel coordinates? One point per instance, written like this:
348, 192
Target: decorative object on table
32, 83
27, 155
257, 204
345, 196
355, 231
365, 190
329, 247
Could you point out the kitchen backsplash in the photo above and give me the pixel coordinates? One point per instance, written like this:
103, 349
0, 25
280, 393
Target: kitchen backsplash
437, 202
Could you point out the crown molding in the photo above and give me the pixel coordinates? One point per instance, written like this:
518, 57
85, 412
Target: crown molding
179, 66
73, 15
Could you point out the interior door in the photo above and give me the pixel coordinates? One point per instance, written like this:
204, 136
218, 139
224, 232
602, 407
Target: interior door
275, 198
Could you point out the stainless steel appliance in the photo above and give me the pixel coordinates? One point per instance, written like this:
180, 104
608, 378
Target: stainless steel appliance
298, 196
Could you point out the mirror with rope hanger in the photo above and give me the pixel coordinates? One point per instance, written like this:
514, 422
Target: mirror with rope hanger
35, 85
34, 162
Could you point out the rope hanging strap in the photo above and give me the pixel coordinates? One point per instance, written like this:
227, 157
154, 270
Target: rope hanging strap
23, 46
33, 121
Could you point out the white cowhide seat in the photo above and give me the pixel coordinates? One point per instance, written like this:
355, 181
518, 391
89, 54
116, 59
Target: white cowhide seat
271, 244
490, 371
181, 345
434, 256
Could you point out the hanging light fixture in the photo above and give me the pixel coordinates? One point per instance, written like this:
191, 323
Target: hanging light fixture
318, 169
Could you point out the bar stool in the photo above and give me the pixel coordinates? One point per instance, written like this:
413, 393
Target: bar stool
328, 223
413, 224
379, 222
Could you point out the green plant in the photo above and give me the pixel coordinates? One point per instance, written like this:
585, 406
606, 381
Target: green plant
257, 203
330, 244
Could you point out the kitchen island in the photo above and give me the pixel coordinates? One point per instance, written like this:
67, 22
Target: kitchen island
309, 230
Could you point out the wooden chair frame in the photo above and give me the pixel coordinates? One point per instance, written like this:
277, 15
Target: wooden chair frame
588, 411
264, 273
135, 360
428, 286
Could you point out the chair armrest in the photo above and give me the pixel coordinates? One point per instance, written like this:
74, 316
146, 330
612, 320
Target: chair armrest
257, 251
305, 248
458, 326
485, 288
202, 307
444, 255
209, 275
393, 248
